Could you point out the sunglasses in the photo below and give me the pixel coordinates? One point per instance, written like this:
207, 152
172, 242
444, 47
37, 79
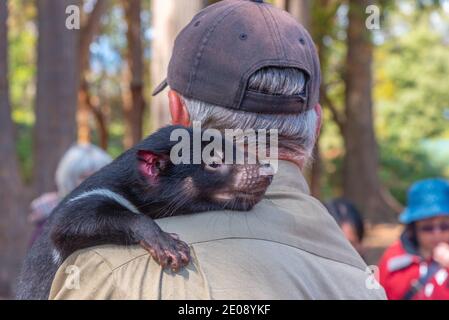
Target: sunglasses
443, 227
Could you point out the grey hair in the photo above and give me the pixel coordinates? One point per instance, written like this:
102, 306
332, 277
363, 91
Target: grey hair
297, 132
80, 161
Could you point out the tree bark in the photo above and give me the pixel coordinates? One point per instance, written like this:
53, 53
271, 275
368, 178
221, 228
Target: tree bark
169, 17
89, 31
57, 86
12, 193
85, 107
300, 9
361, 164
133, 99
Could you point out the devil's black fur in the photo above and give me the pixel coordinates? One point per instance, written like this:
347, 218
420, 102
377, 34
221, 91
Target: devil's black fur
96, 220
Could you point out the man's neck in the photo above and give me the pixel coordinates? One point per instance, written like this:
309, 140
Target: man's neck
297, 159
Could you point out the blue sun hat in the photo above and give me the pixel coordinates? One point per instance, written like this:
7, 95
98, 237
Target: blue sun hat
426, 199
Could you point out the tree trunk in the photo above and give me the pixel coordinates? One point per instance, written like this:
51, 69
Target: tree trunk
361, 164
133, 99
12, 193
57, 85
88, 32
85, 107
169, 17
300, 9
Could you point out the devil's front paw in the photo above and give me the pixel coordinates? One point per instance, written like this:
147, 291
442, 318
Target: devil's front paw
167, 250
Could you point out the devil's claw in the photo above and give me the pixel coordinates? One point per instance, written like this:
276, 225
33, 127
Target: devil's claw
167, 250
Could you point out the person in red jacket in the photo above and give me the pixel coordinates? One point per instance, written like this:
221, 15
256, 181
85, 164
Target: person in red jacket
416, 267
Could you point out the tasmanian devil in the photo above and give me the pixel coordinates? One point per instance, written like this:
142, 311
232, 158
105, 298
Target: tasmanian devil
117, 205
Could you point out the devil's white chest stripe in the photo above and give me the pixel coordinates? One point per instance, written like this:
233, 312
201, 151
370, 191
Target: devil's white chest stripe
108, 194
56, 256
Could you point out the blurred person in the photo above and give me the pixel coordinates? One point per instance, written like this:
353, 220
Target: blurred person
416, 267
350, 221
240, 65
78, 163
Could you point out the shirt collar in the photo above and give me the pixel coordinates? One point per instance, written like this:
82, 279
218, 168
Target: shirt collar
288, 176
293, 216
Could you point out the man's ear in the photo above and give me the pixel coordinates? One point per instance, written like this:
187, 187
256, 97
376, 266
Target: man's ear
151, 164
179, 113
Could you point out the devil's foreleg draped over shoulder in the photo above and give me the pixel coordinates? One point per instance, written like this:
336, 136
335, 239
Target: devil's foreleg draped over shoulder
99, 221
117, 205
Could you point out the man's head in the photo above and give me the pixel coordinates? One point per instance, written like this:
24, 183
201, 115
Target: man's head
247, 65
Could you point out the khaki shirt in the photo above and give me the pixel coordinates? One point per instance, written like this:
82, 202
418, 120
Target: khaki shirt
287, 247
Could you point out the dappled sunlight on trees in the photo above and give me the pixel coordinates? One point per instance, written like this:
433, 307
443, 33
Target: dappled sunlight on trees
385, 95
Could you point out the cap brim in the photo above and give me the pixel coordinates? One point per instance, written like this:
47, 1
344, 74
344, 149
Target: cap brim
160, 88
408, 216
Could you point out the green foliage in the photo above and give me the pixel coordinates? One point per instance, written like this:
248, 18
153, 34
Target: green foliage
22, 56
416, 66
411, 94
22, 39
411, 67
400, 167
411, 97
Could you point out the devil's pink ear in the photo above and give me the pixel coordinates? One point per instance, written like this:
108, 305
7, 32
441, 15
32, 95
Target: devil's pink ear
151, 163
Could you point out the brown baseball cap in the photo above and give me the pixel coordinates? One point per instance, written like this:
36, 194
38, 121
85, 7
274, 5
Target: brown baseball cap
225, 43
